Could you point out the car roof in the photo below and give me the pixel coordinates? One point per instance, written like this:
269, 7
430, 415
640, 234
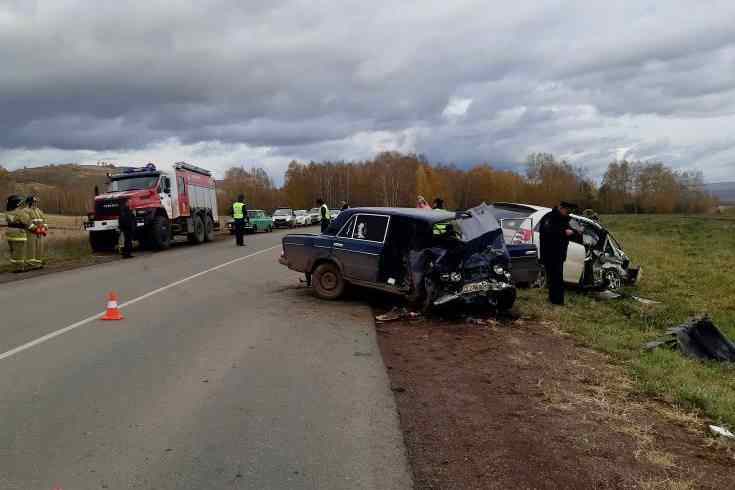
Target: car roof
426, 215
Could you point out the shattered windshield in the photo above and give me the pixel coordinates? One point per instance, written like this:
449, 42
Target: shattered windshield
132, 183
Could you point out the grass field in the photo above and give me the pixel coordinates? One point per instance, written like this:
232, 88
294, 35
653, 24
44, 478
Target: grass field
67, 241
688, 265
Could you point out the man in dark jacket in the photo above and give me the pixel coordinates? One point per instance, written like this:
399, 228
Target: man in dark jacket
555, 233
127, 228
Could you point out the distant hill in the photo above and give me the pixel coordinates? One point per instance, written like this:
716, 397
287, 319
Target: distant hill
725, 191
62, 189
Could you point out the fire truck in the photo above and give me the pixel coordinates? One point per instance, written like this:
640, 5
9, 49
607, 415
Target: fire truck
165, 201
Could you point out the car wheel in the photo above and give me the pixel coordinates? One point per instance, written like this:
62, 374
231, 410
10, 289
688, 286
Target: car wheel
255, 228
327, 281
613, 280
540, 281
505, 300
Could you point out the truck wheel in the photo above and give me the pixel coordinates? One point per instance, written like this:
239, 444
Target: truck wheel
198, 235
208, 229
102, 241
159, 233
328, 282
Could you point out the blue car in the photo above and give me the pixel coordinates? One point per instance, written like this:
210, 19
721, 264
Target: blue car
430, 257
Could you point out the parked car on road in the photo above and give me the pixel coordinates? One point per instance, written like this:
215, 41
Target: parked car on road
284, 218
432, 257
595, 259
301, 218
315, 215
258, 220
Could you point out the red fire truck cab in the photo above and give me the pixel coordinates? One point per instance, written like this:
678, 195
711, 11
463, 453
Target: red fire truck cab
179, 200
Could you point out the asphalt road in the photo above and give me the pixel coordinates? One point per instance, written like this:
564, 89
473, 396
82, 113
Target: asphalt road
220, 376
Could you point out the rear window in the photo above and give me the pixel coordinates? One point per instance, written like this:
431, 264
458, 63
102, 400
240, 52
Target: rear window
512, 224
370, 227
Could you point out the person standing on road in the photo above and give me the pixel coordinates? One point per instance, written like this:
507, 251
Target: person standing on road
324, 214
438, 203
345, 206
239, 214
127, 229
18, 222
421, 203
555, 232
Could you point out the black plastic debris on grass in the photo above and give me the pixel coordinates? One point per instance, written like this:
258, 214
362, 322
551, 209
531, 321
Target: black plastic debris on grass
698, 339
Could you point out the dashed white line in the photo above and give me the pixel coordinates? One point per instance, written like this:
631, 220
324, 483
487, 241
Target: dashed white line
69, 328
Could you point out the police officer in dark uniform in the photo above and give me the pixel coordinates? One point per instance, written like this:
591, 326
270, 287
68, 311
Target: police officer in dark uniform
239, 217
127, 228
555, 233
323, 214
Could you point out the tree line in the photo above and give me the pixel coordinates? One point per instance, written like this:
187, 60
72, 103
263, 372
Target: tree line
396, 179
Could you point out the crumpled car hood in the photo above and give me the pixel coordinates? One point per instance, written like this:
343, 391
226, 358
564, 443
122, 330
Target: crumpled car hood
480, 230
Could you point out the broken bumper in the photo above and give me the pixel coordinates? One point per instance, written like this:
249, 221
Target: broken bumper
472, 292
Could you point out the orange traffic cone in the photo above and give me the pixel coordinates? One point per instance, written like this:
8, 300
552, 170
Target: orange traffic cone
113, 313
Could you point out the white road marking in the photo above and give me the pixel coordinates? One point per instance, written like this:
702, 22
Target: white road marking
90, 319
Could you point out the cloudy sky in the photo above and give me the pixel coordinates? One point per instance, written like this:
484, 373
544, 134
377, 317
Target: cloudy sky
261, 82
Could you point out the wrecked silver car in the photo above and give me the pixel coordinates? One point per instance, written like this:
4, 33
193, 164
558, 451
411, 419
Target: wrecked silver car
431, 257
595, 259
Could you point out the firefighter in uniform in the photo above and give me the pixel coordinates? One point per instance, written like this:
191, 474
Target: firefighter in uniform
555, 233
239, 215
36, 244
323, 214
18, 222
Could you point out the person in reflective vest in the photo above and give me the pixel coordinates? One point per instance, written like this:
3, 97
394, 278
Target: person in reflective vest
323, 214
239, 214
18, 223
35, 245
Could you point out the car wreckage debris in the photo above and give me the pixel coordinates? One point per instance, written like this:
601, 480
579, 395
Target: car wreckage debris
397, 313
698, 339
607, 295
721, 431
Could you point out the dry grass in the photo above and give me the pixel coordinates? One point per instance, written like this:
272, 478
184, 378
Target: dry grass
667, 484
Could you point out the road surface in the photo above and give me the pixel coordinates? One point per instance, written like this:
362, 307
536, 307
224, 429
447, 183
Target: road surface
220, 376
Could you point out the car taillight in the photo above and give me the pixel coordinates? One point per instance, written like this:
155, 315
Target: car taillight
523, 236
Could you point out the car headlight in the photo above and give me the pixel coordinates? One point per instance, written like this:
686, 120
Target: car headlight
499, 270
451, 277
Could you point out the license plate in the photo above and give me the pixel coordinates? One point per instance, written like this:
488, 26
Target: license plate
476, 287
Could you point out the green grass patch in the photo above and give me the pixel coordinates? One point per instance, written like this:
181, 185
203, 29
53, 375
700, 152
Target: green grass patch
688, 265
60, 250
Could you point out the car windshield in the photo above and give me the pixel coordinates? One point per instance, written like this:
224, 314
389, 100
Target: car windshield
282, 212
300, 212
132, 183
314, 211
253, 214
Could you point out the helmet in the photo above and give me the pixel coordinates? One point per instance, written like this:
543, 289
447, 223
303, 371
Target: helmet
13, 202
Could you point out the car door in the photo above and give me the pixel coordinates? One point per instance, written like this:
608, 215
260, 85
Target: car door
359, 245
576, 253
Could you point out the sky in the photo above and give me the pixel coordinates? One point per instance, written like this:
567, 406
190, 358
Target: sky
263, 82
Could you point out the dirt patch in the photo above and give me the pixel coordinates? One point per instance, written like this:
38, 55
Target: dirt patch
519, 405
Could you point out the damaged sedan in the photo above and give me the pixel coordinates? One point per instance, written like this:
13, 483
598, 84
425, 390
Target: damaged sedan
595, 259
431, 257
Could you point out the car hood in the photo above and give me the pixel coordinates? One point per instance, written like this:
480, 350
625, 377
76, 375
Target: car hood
480, 230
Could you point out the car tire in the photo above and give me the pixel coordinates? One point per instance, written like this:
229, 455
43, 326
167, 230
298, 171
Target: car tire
505, 300
197, 236
327, 281
255, 228
208, 229
540, 281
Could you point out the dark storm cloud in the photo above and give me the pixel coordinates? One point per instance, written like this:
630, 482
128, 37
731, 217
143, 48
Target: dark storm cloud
344, 79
